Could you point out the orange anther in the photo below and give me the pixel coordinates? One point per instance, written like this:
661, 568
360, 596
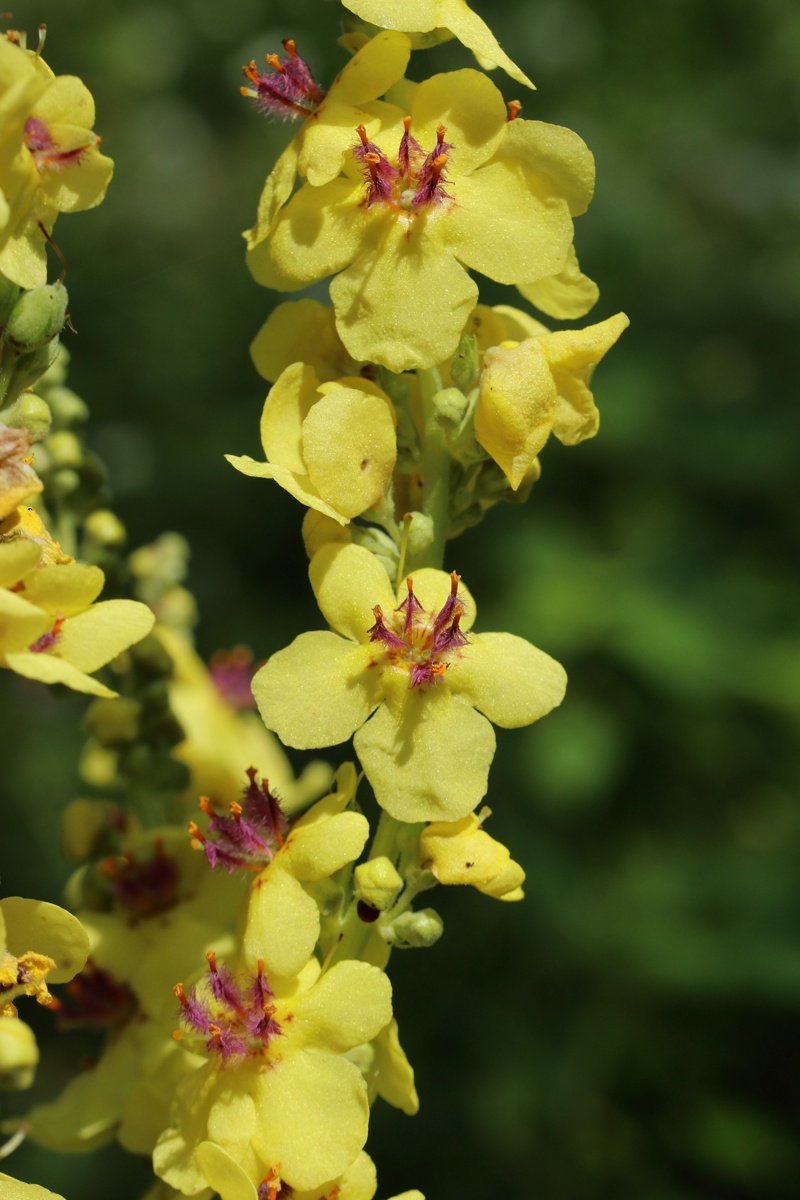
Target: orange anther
441, 131
514, 107
205, 805
289, 47
362, 133
211, 959
455, 580
250, 71
273, 61
197, 836
406, 123
181, 994
236, 810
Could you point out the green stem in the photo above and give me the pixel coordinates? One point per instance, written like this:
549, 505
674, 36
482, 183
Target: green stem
435, 474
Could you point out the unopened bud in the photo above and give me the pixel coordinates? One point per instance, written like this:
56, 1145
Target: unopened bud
466, 363
9, 293
377, 883
105, 528
451, 404
64, 449
420, 533
29, 412
67, 408
63, 483
413, 930
37, 317
114, 722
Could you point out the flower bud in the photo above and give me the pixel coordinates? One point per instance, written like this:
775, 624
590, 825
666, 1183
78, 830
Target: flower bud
64, 449
413, 930
420, 533
67, 408
29, 412
114, 722
19, 1053
377, 883
104, 527
466, 363
451, 405
8, 298
37, 317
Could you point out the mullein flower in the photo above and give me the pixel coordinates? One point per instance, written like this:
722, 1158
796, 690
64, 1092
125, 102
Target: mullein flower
277, 1094
332, 446
51, 629
540, 386
40, 944
412, 661
222, 740
232, 1182
163, 911
463, 852
440, 19
409, 216
59, 169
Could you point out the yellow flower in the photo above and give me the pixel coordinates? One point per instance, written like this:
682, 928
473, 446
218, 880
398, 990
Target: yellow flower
221, 742
462, 852
21, 84
332, 446
165, 911
58, 167
410, 661
39, 944
232, 1182
294, 1105
538, 387
414, 209
439, 17
567, 295
50, 627
301, 331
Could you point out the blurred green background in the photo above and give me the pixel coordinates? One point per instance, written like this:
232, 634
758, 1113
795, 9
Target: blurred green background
630, 1030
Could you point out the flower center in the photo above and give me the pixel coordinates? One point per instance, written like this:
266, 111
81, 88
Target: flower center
421, 642
250, 836
418, 180
287, 89
234, 1014
45, 150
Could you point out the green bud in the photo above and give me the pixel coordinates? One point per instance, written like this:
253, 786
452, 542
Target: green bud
9, 293
28, 412
29, 368
466, 363
412, 930
19, 1053
178, 608
67, 408
104, 527
420, 533
63, 483
64, 449
451, 405
37, 317
377, 883
114, 722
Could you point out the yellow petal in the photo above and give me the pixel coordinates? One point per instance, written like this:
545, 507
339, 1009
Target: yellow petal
285, 409
560, 158
312, 1117
508, 679
314, 851
277, 191
404, 304
392, 1075
349, 449
316, 692
47, 668
349, 1005
20, 622
66, 100
472, 109
282, 924
318, 233
92, 638
572, 355
296, 485
348, 582
468, 27
223, 1173
516, 406
65, 590
433, 588
431, 765
300, 331
530, 224
47, 929
567, 295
